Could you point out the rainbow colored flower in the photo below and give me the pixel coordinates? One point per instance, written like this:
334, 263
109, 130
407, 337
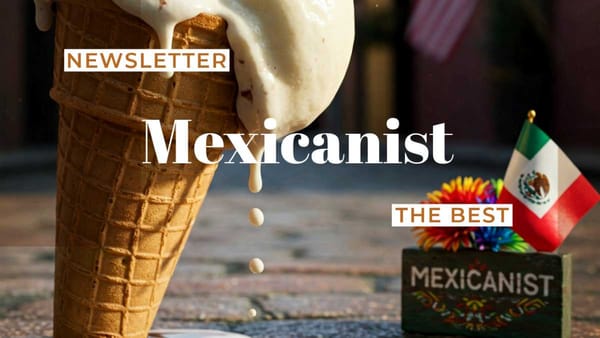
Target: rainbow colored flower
469, 190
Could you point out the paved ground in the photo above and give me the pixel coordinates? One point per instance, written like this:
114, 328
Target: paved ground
332, 261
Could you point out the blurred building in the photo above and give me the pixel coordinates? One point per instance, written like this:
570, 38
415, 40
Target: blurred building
515, 55
28, 115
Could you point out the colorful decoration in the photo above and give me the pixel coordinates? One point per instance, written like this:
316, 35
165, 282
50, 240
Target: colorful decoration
477, 314
468, 190
499, 239
451, 238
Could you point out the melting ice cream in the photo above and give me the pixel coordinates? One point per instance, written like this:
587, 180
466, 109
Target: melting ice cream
290, 56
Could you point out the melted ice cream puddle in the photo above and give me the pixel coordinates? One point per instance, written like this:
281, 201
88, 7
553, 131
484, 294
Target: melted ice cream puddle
290, 55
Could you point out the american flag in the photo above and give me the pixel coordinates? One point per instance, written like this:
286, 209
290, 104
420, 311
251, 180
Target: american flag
437, 25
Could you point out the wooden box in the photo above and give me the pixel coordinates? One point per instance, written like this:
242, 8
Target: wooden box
486, 294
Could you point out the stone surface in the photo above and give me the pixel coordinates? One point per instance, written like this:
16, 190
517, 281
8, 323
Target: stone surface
187, 269
32, 310
18, 227
205, 308
321, 328
586, 307
269, 284
12, 327
332, 260
585, 329
331, 267
26, 286
190, 325
384, 306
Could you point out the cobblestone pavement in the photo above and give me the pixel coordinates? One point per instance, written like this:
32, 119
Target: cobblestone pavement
332, 260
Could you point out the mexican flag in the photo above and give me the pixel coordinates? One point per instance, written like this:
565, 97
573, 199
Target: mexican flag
548, 193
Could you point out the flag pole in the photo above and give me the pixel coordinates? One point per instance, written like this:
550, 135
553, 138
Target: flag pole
531, 116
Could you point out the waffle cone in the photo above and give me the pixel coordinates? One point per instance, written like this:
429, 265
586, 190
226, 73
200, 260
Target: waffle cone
122, 224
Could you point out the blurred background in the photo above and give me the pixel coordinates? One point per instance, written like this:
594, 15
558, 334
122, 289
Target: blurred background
513, 55
333, 261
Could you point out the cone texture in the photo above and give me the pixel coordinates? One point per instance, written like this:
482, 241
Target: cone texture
122, 224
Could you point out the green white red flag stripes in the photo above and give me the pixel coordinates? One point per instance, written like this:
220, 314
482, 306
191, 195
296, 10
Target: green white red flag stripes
548, 193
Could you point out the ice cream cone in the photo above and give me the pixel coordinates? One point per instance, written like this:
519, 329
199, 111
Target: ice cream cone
122, 224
